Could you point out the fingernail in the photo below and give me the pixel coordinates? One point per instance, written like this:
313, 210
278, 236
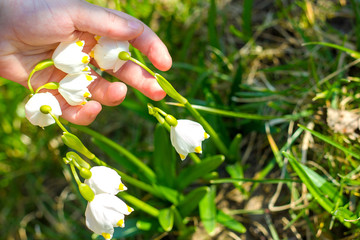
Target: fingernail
134, 25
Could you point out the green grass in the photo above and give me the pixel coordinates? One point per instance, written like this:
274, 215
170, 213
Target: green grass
263, 75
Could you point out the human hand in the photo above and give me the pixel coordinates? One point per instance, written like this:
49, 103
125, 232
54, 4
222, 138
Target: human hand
31, 30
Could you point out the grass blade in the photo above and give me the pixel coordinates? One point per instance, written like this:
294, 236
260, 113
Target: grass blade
351, 52
164, 160
323, 192
166, 219
229, 222
207, 210
330, 141
191, 200
192, 173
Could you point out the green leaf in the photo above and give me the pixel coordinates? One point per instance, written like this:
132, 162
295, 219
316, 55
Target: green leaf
192, 173
212, 16
168, 193
229, 222
351, 52
345, 214
234, 149
164, 162
207, 209
330, 141
247, 18
313, 186
191, 200
113, 154
166, 219
323, 192
151, 224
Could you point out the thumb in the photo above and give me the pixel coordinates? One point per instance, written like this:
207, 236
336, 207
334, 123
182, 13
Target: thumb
101, 21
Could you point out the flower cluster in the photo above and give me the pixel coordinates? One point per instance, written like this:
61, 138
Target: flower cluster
105, 211
70, 58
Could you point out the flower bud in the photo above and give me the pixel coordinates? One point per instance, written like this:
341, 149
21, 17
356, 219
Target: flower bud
171, 120
44, 64
85, 173
151, 109
75, 143
86, 192
169, 89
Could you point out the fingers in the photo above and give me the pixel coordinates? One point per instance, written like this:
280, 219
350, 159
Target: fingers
101, 21
81, 115
107, 93
149, 44
133, 75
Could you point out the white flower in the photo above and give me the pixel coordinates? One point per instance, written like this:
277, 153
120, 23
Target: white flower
73, 87
33, 113
105, 212
69, 58
106, 53
186, 137
105, 180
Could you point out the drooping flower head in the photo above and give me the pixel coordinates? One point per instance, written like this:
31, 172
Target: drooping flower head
105, 180
187, 136
106, 53
69, 58
33, 113
105, 212
73, 87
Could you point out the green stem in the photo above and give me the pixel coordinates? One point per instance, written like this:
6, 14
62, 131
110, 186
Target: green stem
39, 66
74, 173
58, 122
213, 134
141, 205
169, 89
29, 81
148, 172
142, 65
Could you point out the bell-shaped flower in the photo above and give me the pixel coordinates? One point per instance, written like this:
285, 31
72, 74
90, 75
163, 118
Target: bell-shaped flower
105, 180
105, 212
33, 113
73, 87
69, 57
187, 136
106, 53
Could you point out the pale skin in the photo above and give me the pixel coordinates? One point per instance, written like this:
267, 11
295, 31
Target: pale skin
32, 29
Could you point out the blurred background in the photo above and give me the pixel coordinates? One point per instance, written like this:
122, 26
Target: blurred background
244, 56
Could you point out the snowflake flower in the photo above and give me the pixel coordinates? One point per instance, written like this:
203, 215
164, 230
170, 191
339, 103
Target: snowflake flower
73, 87
33, 113
69, 58
105, 180
105, 212
187, 136
106, 53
